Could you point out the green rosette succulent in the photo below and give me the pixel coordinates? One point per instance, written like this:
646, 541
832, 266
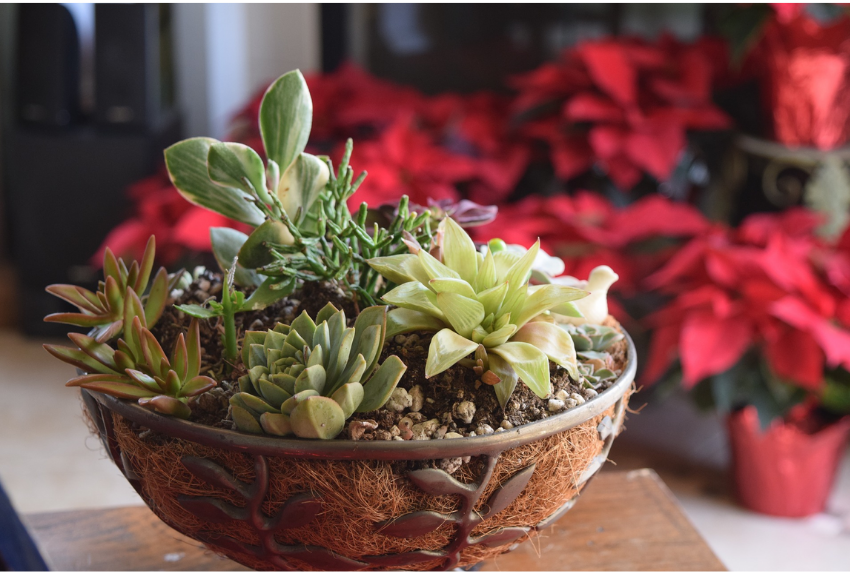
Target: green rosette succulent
471, 300
308, 378
103, 311
591, 342
139, 368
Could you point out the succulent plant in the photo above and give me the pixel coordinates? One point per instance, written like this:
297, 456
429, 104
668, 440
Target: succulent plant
103, 311
308, 378
591, 342
471, 300
139, 368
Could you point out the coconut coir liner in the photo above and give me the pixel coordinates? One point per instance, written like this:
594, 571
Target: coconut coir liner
357, 494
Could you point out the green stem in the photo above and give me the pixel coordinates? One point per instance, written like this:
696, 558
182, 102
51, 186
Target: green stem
229, 325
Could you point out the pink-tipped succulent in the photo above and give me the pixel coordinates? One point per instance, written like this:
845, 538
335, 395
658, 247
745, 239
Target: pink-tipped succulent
103, 311
139, 368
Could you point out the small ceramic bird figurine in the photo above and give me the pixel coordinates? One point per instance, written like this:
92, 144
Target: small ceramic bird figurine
593, 307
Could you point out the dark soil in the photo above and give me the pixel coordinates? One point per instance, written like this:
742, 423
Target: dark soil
454, 403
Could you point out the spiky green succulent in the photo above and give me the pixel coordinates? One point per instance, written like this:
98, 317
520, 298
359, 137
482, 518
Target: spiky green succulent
103, 311
139, 368
591, 342
308, 378
473, 299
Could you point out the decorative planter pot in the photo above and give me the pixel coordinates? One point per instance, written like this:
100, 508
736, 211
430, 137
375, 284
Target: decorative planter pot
273, 503
784, 471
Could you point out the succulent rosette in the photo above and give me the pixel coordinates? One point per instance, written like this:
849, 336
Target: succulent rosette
474, 300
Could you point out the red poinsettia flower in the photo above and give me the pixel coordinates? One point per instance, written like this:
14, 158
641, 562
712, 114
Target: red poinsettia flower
633, 103
765, 285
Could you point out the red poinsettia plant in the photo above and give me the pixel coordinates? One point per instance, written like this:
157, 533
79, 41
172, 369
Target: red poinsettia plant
758, 315
622, 104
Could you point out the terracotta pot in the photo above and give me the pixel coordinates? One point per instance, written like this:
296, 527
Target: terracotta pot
276, 503
784, 471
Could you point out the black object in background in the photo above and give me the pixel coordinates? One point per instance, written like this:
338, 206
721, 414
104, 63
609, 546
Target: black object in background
133, 65
334, 35
48, 66
17, 548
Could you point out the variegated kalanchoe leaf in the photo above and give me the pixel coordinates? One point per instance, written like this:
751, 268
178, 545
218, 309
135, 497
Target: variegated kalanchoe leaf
139, 368
472, 299
103, 311
309, 377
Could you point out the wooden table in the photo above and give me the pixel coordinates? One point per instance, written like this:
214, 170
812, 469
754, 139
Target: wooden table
625, 521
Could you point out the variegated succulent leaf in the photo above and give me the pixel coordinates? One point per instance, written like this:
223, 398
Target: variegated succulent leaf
290, 365
592, 342
473, 299
103, 311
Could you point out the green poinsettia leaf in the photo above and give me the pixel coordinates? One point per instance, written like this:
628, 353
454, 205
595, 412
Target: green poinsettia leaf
402, 321
463, 313
530, 363
446, 349
552, 340
239, 166
187, 167
459, 252
226, 243
544, 297
301, 183
286, 115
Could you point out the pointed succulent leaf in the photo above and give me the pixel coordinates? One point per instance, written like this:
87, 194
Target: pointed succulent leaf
486, 277
111, 268
270, 291
187, 168
339, 356
301, 183
286, 114
326, 313
542, 298
461, 312
506, 374
252, 403
146, 266
492, 298
530, 363
180, 357
83, 320
305, 326
380, 386
455, 285
551, 340
415, 296
398, 268
114, 294
118, 389
366, 342
504, 260
144, 380
271, 393
226, 243
446, 349
569, 309
255, 251
197, 385
83, 299
500, 336
251, 338
322, 337
317, 417
402, 320
167, 405
239, 166
79, 358
434, 268
459, 252
354, 373
155, 302
349, 397
98, 351
276, 424
520, 272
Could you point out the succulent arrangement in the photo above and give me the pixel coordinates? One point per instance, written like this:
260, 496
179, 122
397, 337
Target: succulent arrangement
404, 270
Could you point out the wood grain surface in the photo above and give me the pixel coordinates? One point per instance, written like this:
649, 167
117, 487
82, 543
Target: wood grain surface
624, 521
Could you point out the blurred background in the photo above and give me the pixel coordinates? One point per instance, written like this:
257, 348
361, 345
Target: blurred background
699, 150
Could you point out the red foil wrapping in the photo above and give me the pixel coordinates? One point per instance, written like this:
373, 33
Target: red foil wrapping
804, 68
786, 470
